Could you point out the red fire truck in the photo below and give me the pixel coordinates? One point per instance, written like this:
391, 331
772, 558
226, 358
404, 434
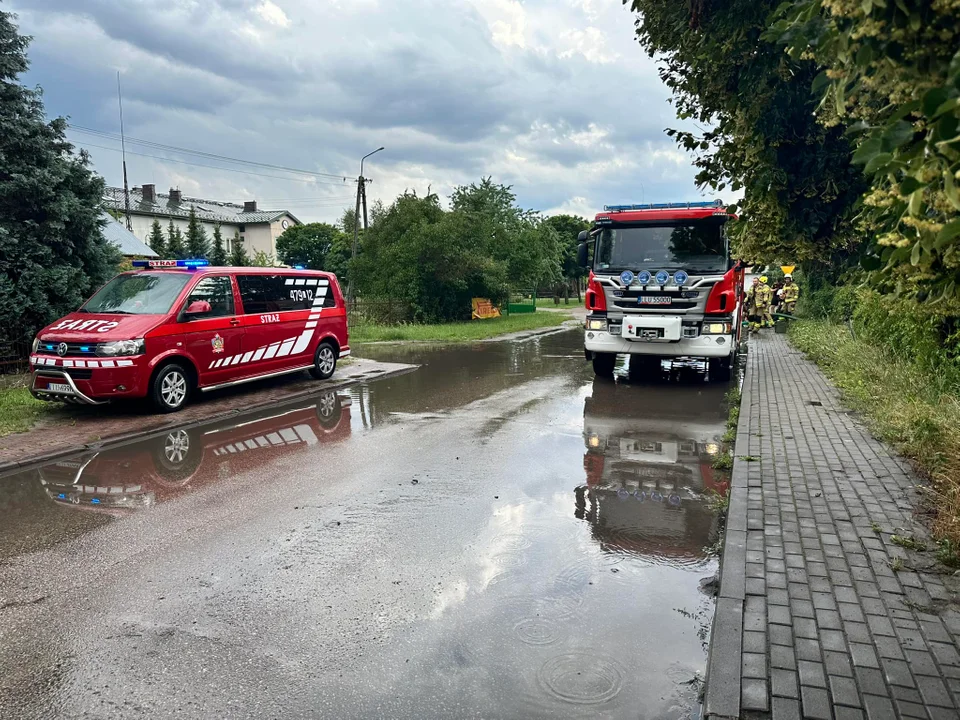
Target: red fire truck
662, 286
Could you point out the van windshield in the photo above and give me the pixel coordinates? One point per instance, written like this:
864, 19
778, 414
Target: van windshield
140, 294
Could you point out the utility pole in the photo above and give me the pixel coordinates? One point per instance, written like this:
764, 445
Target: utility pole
361, 194
363, 199
123, 155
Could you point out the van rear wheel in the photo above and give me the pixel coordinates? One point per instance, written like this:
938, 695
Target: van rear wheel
324, 361
603, 364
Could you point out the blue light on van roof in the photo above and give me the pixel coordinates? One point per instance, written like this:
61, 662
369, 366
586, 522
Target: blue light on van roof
96, 501
299, 267
62, 496
189, 263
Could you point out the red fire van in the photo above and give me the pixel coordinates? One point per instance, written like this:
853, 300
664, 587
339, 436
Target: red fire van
171, 327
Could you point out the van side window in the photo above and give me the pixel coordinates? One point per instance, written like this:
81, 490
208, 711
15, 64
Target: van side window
263, 294
217, 291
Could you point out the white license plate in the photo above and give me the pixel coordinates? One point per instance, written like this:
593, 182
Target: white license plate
59, 387
655, 300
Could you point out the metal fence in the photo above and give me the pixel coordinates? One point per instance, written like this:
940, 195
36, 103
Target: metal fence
382, 312
14, 357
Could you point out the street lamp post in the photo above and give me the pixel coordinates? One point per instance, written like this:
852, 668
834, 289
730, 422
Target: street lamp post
361, 191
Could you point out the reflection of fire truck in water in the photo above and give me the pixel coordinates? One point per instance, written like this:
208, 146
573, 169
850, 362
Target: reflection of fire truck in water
647, 472
662, 285
161, 468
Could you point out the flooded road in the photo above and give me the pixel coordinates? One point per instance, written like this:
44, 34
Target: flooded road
496, 534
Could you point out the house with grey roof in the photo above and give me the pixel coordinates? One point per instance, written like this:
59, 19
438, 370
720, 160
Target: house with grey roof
258, 229
125, 241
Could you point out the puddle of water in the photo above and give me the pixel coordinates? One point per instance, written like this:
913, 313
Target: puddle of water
576, 591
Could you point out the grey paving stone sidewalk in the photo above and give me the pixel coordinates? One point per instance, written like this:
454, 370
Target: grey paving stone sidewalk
812, 619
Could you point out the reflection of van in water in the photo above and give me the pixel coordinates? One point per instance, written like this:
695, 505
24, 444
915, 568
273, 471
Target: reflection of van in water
648, 466
175, 327
177, 462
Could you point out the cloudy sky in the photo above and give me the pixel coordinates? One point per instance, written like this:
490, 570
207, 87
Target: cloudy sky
554, 97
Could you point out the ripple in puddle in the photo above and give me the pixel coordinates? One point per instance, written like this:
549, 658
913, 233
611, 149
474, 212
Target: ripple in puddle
581, 678
537, 631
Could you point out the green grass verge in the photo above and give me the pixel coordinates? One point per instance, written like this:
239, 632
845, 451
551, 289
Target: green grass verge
914, 409
19, 410
456, 332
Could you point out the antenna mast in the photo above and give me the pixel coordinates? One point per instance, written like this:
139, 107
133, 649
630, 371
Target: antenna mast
123, 154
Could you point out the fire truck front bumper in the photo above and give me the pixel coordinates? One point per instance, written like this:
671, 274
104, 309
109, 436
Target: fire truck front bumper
651, 341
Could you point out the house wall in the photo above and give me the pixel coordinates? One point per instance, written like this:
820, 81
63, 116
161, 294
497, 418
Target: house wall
253, 234
256, 236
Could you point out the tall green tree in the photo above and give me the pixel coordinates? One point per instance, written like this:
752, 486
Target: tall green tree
198, 246
568, 228
437, 261
238, 254
798, 183
158, 242
308, 244
890, 78
52, 250
175, 247
218, 255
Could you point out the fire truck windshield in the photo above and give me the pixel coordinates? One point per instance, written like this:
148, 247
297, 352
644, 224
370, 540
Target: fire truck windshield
693, 247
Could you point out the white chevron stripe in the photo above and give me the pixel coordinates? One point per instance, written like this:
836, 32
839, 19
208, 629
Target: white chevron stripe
285, 347
312, 324
259, 354
271, 351
246, 357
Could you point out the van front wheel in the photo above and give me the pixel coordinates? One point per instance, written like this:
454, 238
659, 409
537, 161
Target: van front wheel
171, 387
324, 361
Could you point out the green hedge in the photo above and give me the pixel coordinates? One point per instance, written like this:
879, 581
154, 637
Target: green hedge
927, 334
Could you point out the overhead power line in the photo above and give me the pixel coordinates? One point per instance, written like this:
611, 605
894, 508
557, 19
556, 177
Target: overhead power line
200, 153
84, 143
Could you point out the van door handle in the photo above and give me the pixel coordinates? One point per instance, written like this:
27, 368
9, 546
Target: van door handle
235, 321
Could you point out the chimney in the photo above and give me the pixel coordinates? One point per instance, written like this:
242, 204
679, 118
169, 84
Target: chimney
175, 196
250, 206
149, 193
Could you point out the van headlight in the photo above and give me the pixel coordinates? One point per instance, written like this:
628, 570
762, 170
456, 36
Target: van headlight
36, 344
120, 347
716, 329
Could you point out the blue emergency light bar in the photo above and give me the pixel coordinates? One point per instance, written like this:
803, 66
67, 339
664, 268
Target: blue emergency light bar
191, 263
664, 206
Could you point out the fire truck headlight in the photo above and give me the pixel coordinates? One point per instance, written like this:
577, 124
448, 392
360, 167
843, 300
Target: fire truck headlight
594, 441
712, 448
716, 328
120, 347
596, 324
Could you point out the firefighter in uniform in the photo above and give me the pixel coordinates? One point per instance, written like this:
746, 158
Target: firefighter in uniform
791, 291
764, 303
755, 304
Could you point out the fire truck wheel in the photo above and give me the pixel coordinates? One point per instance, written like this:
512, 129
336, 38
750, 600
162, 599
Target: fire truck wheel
324, 361
720, 369
603, 364
170, 388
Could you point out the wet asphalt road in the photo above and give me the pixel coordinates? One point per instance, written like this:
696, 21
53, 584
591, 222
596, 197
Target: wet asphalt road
496, 535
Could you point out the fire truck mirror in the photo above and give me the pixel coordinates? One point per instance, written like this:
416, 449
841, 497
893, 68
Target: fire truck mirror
583, 236
582, 254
